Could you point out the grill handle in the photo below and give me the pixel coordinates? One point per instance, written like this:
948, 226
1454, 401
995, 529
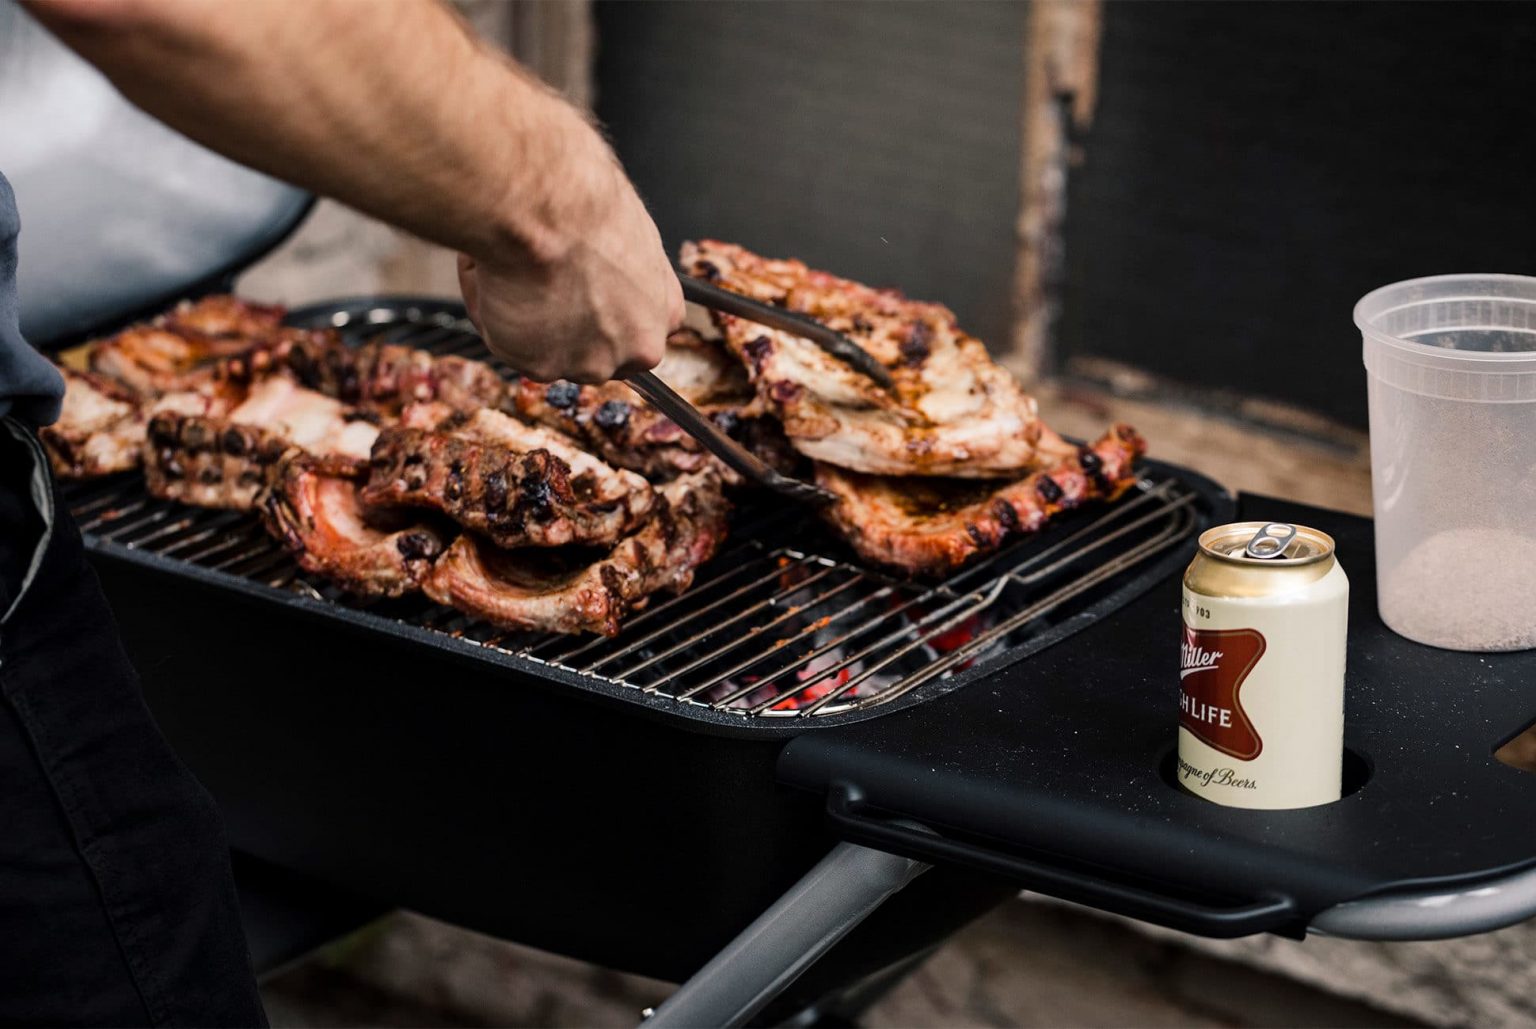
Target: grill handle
848, 811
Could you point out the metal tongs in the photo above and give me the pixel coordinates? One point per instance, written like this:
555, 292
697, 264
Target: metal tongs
707, 294
737, 457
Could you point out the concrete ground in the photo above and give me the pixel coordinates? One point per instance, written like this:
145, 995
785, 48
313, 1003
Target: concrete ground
1023, 965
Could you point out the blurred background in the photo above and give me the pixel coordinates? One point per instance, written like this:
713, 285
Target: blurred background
1160, 213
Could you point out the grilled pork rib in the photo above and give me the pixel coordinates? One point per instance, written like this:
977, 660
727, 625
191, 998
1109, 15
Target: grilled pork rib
321, 519
220, 459
102, 424
930, 526
558, 591
952, 411
613, 421
222, 315
175, 351
99, 431
519, 485
387, 377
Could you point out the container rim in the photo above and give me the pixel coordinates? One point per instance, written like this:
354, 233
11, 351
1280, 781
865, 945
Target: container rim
1373, 305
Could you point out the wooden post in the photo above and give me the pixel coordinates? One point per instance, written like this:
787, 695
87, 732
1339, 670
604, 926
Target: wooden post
1061, 76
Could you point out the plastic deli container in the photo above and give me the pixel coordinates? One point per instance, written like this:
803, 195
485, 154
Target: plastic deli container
1451, 368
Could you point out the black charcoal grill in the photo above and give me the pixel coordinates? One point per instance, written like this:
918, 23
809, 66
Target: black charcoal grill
404, 751
631, 800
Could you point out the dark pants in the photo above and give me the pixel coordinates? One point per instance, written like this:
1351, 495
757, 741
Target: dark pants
117, 906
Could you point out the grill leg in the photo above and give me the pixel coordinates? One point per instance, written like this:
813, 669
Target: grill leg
785, 940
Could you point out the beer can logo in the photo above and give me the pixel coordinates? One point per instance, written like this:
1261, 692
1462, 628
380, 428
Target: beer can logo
1214, 663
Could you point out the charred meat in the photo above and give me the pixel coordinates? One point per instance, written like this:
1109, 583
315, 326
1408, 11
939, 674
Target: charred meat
387, 377
319, 516
99, 431
225, 317
101, 426
931, 526
613, 421
517, 484
221, 459
562, 591
952, 412
177, 350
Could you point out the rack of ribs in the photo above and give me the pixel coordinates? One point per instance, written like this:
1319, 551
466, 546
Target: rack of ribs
319, 516
576, 591
99, 428
219, 458
101, 425
953, 411
519, 485
932, 526
613, 421
385, 377
171, 352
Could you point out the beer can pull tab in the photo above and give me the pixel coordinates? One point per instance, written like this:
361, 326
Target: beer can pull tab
1270, 541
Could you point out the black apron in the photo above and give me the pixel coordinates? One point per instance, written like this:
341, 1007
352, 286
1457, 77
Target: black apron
117, 905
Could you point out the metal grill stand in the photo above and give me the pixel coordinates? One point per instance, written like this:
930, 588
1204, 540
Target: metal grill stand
839, 893
852, 881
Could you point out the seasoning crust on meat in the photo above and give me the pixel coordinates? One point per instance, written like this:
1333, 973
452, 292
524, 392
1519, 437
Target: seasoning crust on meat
933, 526
319, 516
556, 591
219, 459
385, 377
178, 349
517, 484
952, 411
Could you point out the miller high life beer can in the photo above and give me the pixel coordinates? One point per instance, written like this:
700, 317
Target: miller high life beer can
1261, 676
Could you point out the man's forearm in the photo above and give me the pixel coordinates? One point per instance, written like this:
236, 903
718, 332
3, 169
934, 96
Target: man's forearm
393, 108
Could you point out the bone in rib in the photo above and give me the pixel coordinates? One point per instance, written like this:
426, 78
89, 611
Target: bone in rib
952, 412
932, 526
319, 516
561, 591
220, 458
517, 484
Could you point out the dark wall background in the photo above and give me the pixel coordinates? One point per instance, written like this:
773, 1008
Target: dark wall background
877, 140
1252, 169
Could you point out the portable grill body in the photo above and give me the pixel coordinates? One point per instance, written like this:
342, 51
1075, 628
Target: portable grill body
611, 799
638, 801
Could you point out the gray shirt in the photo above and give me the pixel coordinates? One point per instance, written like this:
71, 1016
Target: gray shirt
30, 387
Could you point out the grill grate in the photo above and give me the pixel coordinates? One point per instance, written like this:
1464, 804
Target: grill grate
782, 624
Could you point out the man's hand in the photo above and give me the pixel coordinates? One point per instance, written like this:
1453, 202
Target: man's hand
398, 110
594, 306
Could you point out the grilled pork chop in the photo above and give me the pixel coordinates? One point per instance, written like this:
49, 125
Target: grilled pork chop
321, 519
220, 459
558, 591
930, 526
519, 485
952, 411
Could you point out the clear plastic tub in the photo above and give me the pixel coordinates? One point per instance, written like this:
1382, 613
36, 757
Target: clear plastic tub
1451, 368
